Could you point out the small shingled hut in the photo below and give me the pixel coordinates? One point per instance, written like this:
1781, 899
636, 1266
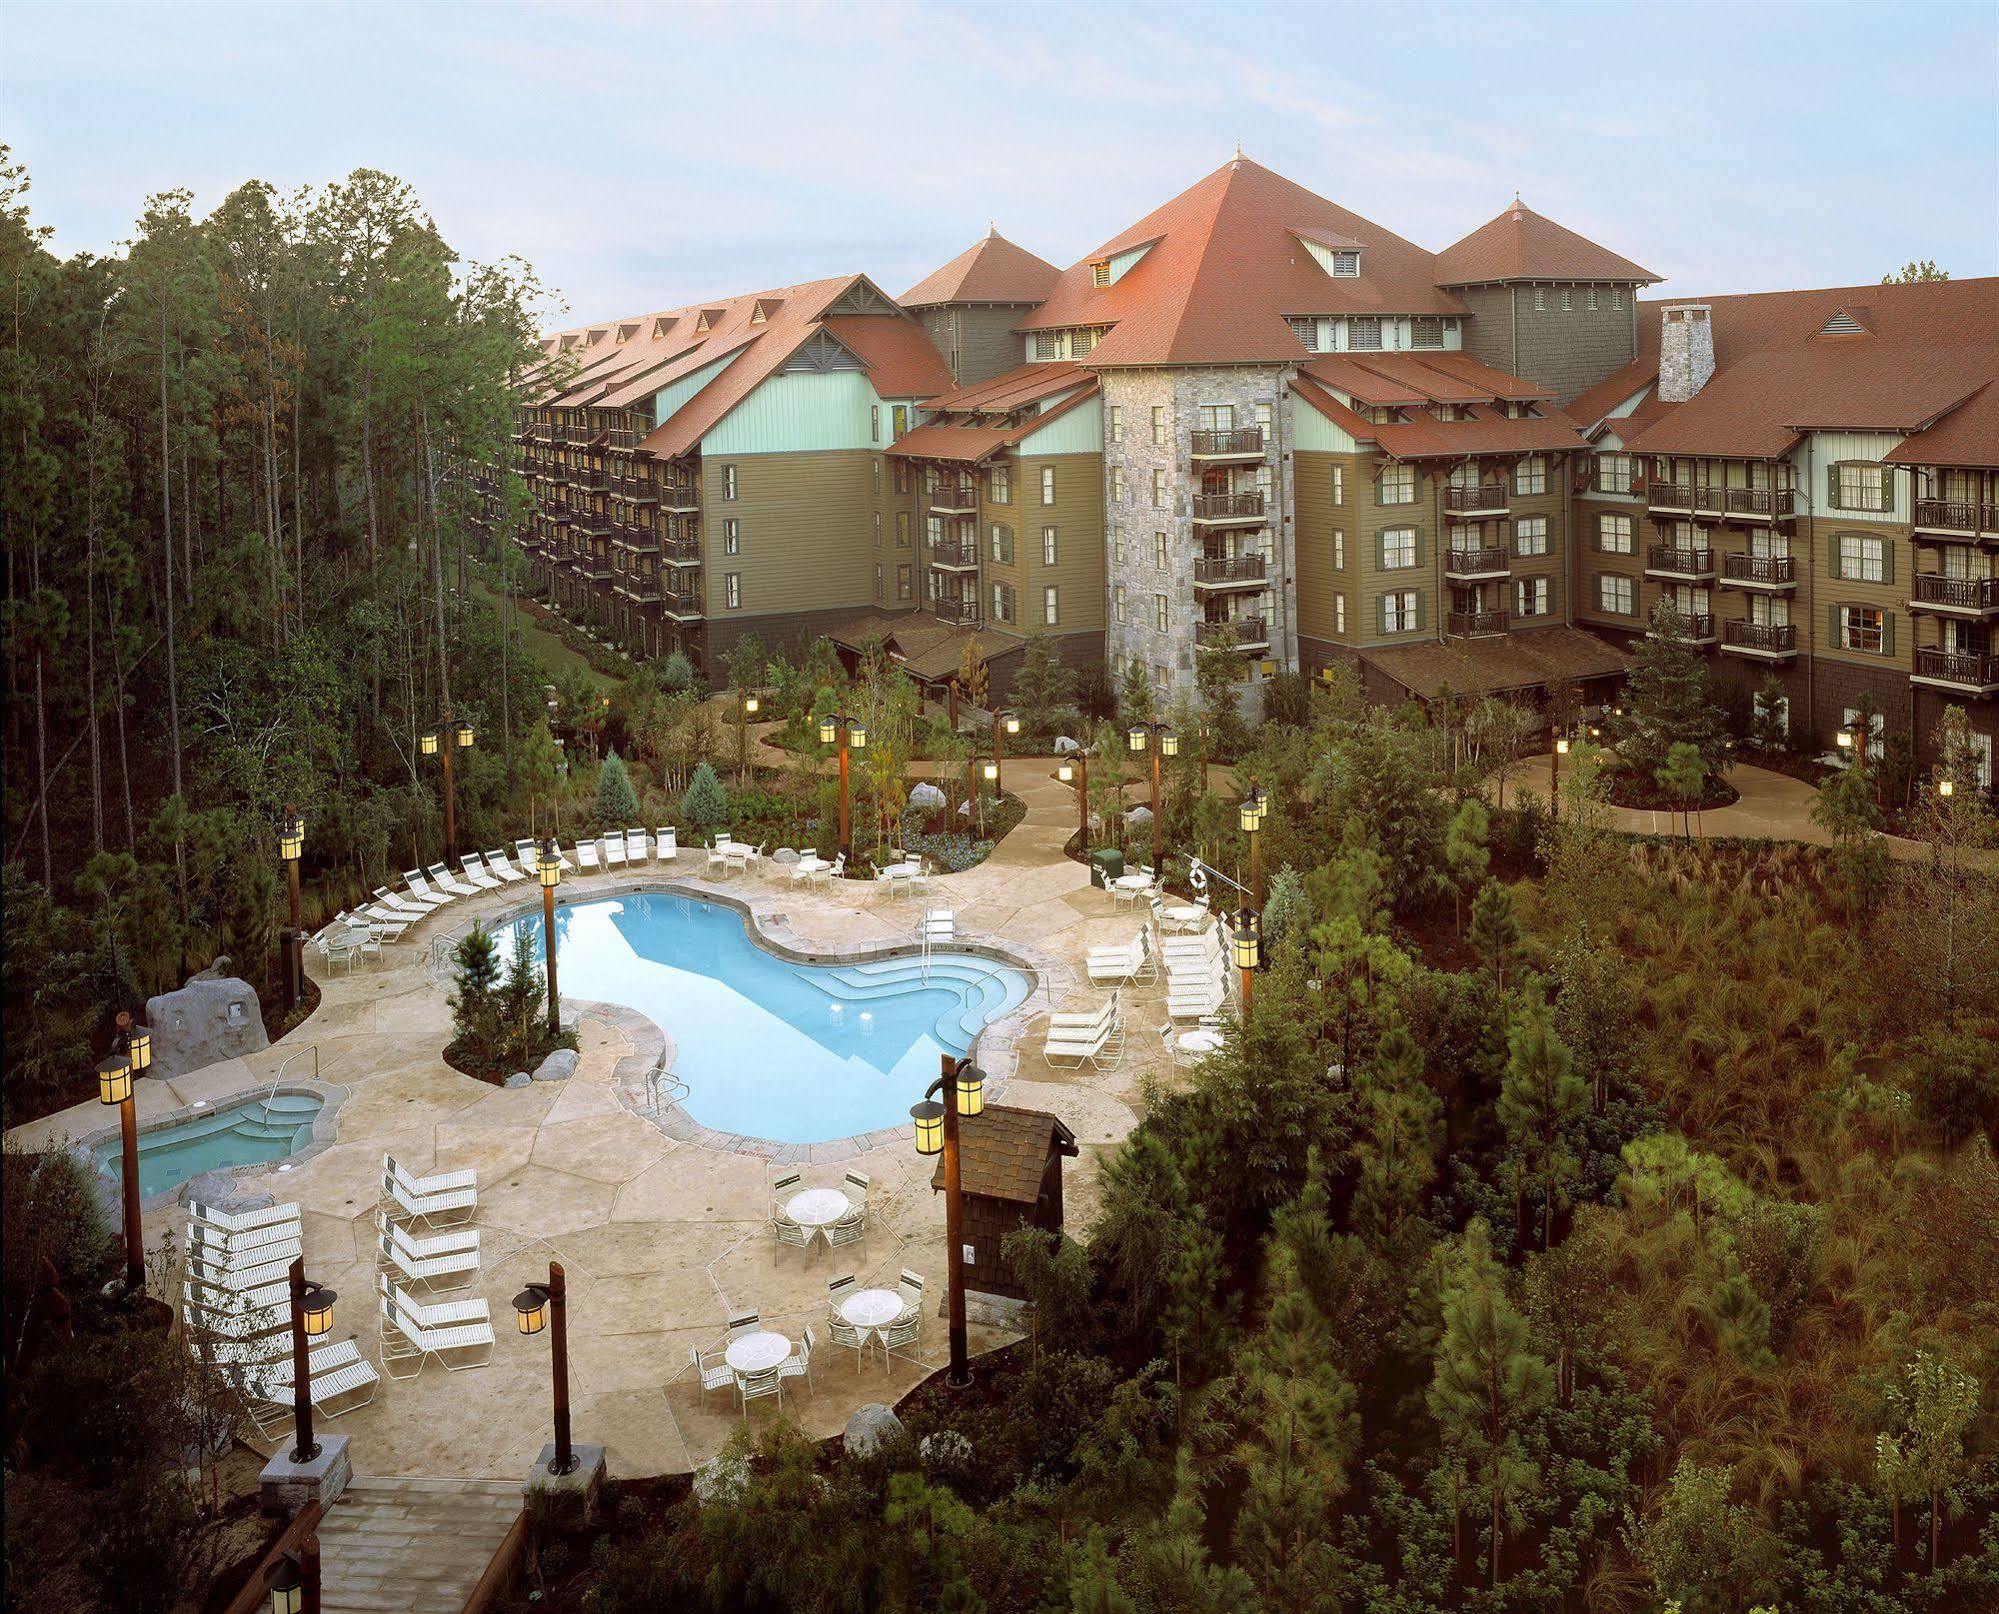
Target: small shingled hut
1010, 1174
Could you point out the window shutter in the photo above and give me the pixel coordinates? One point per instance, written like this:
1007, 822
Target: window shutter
1887, 560
1832, 556
1888, 489
1832, 487
1832, 626
1381, 614
1417, 619
1887, 633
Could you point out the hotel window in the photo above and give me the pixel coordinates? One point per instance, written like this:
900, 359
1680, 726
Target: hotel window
1613, 473
1048, 546
1616, 296
1117, 602
1398, 548
1861, 487
1217, 417
1158, 489
1861, 560
1050, 614
1161, 612
1002, 544
1047, 484
1048, 344
903, 581
1159, 551
1398, 612
1613, 535
732, 590
875, 466
1861, 627
1117, 423
1346, 265
732, 536
1263, 418
1339, 613
1567, 305
1617, 595
1540, 300
1307, 332
933, 531
1340, 550
878, 581
1531, 475
1396, 484
1117, 546
1530, 596
1159, 425
1530, 535
1589, 299
1001, 479
901, 473
1117, 484
1002, 602
1426, 331
728, 481
1364, 333
878, 529
902, 529
874, 423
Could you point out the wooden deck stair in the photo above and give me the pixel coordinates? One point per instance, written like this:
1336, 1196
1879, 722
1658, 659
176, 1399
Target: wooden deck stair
411, 1546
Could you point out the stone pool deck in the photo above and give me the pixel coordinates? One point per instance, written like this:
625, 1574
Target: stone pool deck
660, 1237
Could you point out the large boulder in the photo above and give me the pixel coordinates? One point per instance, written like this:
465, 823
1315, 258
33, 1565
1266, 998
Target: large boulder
870, 1428
207, 1021
519, 1078
557, 1067
926, 798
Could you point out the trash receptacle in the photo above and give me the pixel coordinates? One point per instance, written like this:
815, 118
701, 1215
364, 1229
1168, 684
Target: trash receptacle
1105, 866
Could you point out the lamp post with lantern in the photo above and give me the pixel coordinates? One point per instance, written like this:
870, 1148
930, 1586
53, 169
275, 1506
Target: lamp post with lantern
294, 1579
441, 741
1008, 722
312, 1318
1555, 780
1148, 734
1246, 946
291, 944
1250, 814
990, 772
746, 708
548, 870
131, 1052
1078, 772
1853, 737
546, 1306
851, 733
962, 1086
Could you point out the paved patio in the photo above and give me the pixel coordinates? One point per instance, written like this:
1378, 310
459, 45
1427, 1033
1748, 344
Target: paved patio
659, 1238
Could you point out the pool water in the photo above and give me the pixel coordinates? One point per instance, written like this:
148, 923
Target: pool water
252, 1132
799, 1053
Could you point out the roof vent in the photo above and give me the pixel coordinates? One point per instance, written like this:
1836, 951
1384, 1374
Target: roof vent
661, 326
710, 317
627, 332
766, 306
598, 335
1842, 324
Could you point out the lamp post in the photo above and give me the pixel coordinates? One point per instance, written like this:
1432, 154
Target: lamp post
1853, 736
746, 708
291, 944
1247, 946
546, 1305
963, 1086
312, 1317
294, 1582
1143, 733
1079, 771
548, 869
1010, 723
131, 1053
1250, 814
850, 733
991, 773
441, 741
1555, 781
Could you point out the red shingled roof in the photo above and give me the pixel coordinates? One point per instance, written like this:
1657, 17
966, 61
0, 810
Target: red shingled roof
1968, 435
991, 270
1227, 268
1023, 384
1522, 245
955, 435
1412, 380
902, 361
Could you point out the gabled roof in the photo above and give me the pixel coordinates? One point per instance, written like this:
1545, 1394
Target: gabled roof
1522, 245
1968, 435
990, 270
1003, 1153
1227, 269
902, 361
1416, 380
1923, 350
961, 430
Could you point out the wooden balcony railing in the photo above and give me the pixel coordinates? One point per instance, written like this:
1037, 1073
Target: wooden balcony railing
1956, 515
949, 609
1775, 638
682, 551
1218, 569
1969, 669
955, 496
639, 489
1237, 440
1228, 506
680, 602
1961, 593
1776, 503
1696, 626
1475, 562
1662, 495
1248, 631
680, 496
954, 552
1770, 569
1486, 496
1681, 562
1476, 624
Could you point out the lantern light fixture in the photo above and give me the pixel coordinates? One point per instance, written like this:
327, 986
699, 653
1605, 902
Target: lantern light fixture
291, 837
428, 742
114, 1080
1844, 739
1065, 771
464, 735
829, 730
1946, 788
857, 736
1254, 809
287, 1585
991, 771
929, 1119
1169, 744
316, 1310
750, 705
1136, 739
138, 1045
549, 866
531, 1308
1562, 746
1012, 721
1248, 941
971, 1091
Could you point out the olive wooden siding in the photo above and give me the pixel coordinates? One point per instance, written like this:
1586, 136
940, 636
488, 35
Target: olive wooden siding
807, 540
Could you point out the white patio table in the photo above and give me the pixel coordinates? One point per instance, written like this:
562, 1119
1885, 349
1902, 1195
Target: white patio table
758, 1352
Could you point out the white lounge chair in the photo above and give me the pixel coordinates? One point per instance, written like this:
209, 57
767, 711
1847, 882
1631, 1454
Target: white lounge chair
406, 1336
387, 924
498, 863
420, 891
666, 845
436, 1182
444, 1209
274, 1296
442, 877
611, 848
338, 1372
400, 905
253, 1272
587, 861
473, 867
1199, 997
1085, 1019
1075, 1046
429, 1259
637, 848
216, 1242
1131, 962
232, 1223
528, 855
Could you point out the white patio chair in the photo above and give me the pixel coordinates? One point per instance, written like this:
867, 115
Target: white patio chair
429, 1260
666, 844
741, 1323
798, 1365
753, 860
1085, 1019
901, 1338
637, 848
766, 1381
473, 867
442, 877
842, 1332
420, 891
718, 854
340, 947
795, 1234
497, 862
910, 1288
406, 1339
851, 1228
527, 854
386, 923
611, 848
720, 1376
856, 1189
267, 1387
586, 857
784, 1182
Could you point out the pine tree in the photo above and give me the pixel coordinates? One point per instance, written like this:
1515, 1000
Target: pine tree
705, 805
1683, 776
475, 1001
520, 998
1401, 1131
1466, 853
1541, 1100
1495, 930
1669, 698
1041, 688
617, 801
1134, 702
1487, 1382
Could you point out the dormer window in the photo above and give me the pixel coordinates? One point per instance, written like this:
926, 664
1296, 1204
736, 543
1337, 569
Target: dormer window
1364, 333
1842, 324
1100, 272
709, 319
1307, 332
1346, 265
1048, 344
1081, 342
660, 327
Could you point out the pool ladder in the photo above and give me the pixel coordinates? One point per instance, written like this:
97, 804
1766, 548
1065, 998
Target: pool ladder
284, 1064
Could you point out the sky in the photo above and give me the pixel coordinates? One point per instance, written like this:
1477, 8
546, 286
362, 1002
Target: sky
645, 156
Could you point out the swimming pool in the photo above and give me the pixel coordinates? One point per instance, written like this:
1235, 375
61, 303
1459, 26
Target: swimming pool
798, 1053
250, 1132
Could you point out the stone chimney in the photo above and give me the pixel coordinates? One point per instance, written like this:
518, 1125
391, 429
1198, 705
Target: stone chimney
1686, 350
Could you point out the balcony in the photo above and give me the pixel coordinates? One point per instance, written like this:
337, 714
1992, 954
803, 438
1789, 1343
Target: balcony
1759, 571
1466, 564
635, 540
1487, 499
1956, 596
955, 554
1669, 560
1769, 641
1956, 518
960, 612
1239, 443
642, 588
596, 523
682, 604
1673, 497
1755, 505
1221, 509
680, 551
680, 496
1251, 632
1476, 624
1231, 571
955, 498
1700, 628
1970, 672
638, 489
589, 478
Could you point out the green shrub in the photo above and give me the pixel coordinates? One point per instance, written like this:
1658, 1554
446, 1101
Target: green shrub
705, 806
617, 801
